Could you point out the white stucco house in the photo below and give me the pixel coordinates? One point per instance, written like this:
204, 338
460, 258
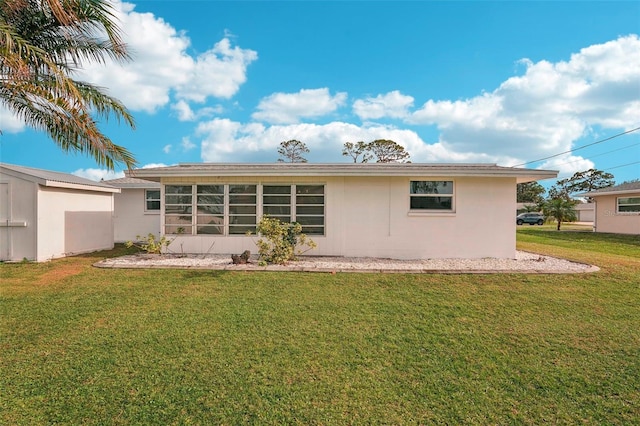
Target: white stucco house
46, 215
617, 208
401, 211
136, 208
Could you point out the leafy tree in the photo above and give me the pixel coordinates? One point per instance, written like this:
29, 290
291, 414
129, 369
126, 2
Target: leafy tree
387, 151
589, 180
561, 209
42, 43
291, 151
358, 150
560, 190
530, 192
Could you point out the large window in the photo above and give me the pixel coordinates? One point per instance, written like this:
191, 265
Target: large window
233, 209
431, 195
628, 204
152, 199
178, 209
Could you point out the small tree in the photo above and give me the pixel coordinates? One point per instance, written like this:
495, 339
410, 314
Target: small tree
291, 151
281, 242
387, 151
589, 180
561, 209
530, 192
358, 150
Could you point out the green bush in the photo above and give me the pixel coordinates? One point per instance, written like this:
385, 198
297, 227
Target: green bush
150, 244
281, 242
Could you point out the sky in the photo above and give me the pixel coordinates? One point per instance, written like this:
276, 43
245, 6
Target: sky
532, 83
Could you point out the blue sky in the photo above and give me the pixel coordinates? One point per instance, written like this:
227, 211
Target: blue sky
498, 82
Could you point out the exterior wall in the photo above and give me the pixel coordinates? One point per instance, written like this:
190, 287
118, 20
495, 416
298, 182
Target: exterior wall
586, 212
609, 220
130, 218
370, 216
72, 222
18, 230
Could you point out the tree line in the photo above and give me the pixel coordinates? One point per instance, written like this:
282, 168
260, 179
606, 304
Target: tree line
379, 150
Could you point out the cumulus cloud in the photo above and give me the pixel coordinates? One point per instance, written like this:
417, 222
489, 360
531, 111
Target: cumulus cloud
166, 149
393, 104
186, 113
224, 140
546, 109
186, 144
160, 64
98, 174
288, 108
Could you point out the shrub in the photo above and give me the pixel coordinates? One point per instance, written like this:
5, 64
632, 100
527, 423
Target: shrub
149, 244
281, 242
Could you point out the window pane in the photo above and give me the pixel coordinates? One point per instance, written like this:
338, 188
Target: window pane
279, 189
242, 220
210, 220
211, 210
310, 220
177, 230
274, 199
315, 210
177, 209
177, 199
276, 210
431, 187
242, 189
431, 203
153, 194
242, 199
177, 189
210, 199
153, 205
309, 189
177, 220
241, 229
635, 208
313, 230
210, 230
242, 210
302, 199
629, 200
210, 189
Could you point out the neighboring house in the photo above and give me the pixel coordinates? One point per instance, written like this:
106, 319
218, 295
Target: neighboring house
585, 212
617, 208
136, 208
46, 215
393, 210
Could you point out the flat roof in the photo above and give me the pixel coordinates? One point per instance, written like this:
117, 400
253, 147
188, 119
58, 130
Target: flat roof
130, 182
340, 169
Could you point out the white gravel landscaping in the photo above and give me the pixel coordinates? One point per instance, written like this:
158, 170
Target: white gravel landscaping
524, 263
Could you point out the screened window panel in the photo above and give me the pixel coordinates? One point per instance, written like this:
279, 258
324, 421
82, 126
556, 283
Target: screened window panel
313, 230
153, 205
250, 210
277, 210
177, 220
242, 199
210, 189
242, 220
211, 209
271, 199
178, 209
431, 187
309, 189
210, 220
431, 203
242, 189
210, 230
177, 189
310, 220
310, 210
177, 199
241, 229
152, 197
210, 199
309, 199
173, 229
276, 189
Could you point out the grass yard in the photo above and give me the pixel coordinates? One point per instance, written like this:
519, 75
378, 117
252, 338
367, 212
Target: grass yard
81, 345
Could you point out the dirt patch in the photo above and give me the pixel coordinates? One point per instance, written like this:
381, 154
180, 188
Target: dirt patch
59, 273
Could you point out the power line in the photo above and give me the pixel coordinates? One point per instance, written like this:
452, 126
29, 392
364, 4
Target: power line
580, 147
598, 155
624, 165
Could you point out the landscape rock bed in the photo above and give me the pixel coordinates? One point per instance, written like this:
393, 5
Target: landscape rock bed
523, 263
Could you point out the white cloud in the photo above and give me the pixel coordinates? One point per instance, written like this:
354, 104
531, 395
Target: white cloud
160, 63
230, 141
186, 144
567, 165
185, 113
287, 108
98, 174
166, 149
9, 122
393, 104
548, 108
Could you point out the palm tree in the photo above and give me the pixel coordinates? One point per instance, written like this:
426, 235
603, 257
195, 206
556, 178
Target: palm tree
42, 42
561, 209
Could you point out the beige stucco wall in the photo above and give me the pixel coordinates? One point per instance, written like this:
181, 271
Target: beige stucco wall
18, 235
609, 220
369, 216
130, 218
73, 221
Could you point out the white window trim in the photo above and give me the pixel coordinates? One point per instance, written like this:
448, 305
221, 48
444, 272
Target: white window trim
434, 212
623, 212
152, 211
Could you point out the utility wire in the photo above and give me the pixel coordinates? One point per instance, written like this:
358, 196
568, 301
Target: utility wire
580, 147
624, 165
598, 155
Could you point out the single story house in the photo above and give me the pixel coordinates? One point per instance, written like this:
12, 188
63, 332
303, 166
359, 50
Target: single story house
136, 208
585, 212
617, 208
391, 210
46, 215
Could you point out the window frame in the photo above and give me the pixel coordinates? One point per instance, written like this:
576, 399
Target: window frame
628, 212
431, 211
147, 200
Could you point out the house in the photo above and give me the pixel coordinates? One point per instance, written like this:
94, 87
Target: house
392, 210
585, 212
46, 215
136, 208
617, 208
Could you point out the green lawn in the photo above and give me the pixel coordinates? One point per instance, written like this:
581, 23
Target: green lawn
81, 345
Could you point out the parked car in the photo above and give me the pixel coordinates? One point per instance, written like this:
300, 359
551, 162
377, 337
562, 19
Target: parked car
530, 218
